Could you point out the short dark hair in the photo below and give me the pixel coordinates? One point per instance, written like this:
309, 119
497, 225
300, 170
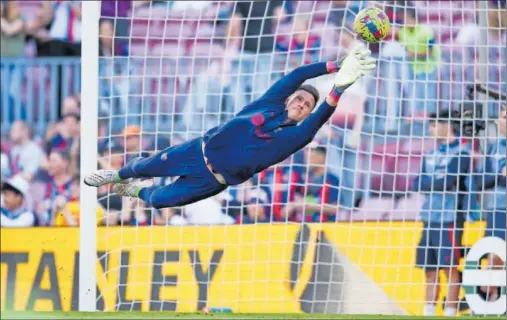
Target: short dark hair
320, 149
8, 187
446, 115
311, 90
449, 117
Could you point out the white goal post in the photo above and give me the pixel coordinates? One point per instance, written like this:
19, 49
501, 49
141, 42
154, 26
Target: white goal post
89, 154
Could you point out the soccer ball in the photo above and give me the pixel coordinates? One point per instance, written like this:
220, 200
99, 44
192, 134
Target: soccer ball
371, 24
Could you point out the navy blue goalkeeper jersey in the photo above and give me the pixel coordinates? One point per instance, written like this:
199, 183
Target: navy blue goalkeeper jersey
261, 134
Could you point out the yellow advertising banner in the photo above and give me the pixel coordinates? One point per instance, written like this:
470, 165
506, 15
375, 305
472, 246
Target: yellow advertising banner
254, 268
154, 268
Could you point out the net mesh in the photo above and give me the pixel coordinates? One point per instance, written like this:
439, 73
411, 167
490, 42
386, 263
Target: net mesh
334, 228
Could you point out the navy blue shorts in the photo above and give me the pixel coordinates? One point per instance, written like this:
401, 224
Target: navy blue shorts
185, 161
440, 246
496, 224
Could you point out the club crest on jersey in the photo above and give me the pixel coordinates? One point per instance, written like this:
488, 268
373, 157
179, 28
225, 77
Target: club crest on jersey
163, 157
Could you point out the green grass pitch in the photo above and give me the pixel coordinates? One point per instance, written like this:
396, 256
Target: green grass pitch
171, 315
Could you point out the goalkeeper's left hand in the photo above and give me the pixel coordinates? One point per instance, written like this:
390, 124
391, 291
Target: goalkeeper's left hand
354, 66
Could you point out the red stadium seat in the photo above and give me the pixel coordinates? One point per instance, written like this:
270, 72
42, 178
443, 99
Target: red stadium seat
206, 50
406, 168
168, 48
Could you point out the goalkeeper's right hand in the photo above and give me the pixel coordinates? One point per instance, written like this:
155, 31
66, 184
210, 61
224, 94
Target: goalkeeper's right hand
355, 65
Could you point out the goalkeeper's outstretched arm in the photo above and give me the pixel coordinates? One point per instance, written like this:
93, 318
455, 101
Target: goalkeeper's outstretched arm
353, 67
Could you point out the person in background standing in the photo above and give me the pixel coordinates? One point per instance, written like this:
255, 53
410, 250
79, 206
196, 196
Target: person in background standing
442, 181
424, 57
494, 183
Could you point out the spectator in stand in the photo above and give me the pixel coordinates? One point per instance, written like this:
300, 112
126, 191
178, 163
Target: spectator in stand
283, 184
132, 143
424, 57
12, 36
301, 47
257, 206
251, 32
493, 180
67, 133
14, 213
12, 44
63, 19
58, 189
321, 193
114, 27
442, 180
71, 105
67, 137
12, 25
26, 156
68, 209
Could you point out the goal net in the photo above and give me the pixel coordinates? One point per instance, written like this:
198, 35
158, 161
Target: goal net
337, 227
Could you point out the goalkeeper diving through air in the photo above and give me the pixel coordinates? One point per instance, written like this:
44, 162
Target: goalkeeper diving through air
263, 133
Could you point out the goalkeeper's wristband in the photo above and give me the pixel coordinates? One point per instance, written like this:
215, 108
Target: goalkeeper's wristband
333, 66
336, 93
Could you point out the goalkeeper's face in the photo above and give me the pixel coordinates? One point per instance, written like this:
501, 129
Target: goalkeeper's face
299, 105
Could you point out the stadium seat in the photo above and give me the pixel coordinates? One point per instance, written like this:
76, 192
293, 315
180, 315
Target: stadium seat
152, 12
382, 173
206, 50
205, 30
407, 208
406, 168
139, 48
139, 28
167, 49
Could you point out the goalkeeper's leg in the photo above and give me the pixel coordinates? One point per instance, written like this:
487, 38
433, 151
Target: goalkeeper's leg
179, 160
183, 191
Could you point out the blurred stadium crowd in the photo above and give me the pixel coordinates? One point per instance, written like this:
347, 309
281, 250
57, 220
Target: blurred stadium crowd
170, 70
